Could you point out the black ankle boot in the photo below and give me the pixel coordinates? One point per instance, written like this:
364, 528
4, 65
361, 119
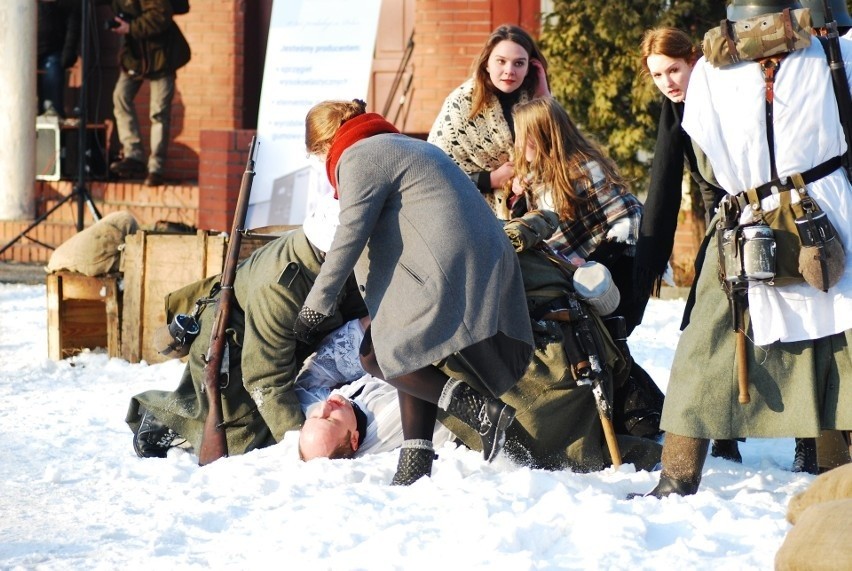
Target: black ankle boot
668, 486
415, 461
805, 458
153, 439
727, 449
489, 416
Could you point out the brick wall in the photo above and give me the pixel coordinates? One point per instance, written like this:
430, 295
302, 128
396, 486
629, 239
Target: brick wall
210, 87
223, 162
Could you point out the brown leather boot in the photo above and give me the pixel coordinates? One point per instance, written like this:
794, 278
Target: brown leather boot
683, 459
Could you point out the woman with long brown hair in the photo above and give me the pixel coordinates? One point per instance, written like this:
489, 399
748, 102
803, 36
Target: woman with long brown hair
475, 125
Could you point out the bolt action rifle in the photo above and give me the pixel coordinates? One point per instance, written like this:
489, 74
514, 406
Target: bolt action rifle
214, 444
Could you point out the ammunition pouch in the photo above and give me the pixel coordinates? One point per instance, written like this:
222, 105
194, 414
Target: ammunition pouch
806, 244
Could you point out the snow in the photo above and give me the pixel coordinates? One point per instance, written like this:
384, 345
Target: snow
75, 496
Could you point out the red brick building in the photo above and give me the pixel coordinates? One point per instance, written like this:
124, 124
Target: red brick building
218, 93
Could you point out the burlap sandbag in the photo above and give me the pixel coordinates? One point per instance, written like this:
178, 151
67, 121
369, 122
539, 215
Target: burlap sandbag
835, 484
819, 540
96, 250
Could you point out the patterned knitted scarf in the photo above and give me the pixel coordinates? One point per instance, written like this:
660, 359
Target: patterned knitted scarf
352, 131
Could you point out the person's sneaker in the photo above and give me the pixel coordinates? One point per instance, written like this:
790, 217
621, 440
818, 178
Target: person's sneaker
128, 168
154, 179
153, 439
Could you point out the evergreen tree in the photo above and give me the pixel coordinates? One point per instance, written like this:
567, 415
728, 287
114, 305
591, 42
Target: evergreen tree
592, 51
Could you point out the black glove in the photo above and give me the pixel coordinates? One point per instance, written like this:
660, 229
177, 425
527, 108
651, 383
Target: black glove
305, 327
607, 252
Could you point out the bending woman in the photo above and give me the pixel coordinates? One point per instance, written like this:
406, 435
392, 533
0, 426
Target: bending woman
434, 285
475, 126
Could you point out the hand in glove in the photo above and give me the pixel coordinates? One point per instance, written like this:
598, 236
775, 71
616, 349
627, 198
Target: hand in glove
305, 327
608, 252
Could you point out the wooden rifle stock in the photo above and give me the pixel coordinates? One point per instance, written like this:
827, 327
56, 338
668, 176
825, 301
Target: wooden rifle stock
214, 444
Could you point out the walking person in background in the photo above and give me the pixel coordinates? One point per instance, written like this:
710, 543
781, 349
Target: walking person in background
152, 49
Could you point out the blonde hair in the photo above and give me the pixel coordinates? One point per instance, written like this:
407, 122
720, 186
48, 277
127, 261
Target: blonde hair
561, 151
482, 85
325, 118
669, 42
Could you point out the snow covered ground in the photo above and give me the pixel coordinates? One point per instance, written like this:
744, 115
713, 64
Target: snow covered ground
75, 496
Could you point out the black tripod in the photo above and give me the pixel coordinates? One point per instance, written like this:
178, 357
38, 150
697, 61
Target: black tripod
80, 192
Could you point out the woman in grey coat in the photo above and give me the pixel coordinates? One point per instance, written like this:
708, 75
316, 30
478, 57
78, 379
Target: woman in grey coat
437, 272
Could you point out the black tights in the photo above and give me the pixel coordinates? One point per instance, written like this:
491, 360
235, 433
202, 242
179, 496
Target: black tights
418, 393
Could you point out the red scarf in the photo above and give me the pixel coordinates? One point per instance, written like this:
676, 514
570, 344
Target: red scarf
348, 134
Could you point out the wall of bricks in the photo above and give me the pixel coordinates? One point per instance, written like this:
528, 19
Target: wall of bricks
210, 87
223, 161
174, 203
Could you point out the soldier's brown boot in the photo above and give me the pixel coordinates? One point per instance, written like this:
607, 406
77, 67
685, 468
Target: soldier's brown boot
683, 459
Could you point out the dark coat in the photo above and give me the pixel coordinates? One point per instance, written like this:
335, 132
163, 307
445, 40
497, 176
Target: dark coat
59, 30
155, 46
673, 150
259, 404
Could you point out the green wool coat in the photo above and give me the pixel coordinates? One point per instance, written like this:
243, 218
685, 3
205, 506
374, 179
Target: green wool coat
797, 388
258, 404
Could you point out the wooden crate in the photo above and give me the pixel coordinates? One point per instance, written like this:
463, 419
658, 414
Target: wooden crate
156, 264
83, 312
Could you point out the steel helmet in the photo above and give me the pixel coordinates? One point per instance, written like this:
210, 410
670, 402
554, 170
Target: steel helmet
745, 9
838, 10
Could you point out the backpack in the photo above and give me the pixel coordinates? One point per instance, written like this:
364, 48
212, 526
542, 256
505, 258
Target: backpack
179, 7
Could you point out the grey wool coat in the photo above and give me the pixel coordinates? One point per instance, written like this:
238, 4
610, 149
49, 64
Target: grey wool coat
436, 270
258, 404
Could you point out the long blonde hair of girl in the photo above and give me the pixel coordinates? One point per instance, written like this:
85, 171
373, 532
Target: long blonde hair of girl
560, 152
